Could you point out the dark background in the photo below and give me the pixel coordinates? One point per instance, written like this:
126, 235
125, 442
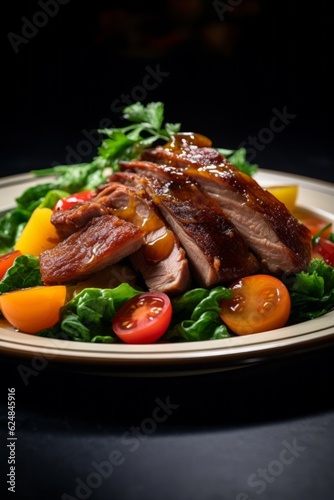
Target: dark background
226, 67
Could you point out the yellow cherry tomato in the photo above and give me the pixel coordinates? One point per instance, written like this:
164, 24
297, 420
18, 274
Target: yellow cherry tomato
285, 194
31, 310
39, 233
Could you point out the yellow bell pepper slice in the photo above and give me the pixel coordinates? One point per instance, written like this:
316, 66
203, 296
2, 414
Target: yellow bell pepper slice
39, 233
285, 194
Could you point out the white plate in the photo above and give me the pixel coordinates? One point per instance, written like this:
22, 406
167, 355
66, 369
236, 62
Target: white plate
180, 358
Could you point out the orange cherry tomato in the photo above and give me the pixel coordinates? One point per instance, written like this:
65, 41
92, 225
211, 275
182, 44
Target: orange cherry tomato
259, 303
144, 318
31, 310
74, 199
7, 260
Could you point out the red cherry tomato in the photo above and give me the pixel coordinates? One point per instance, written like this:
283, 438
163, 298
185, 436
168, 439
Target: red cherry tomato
7, 260
324, 249
259, 303
144, 318
73, 199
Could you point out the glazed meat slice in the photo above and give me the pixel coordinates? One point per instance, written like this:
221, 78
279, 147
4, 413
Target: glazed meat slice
103, 241
214, 247
160, 260
69, 221
280, 241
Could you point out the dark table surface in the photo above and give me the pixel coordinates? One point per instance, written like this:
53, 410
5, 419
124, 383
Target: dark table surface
263, 431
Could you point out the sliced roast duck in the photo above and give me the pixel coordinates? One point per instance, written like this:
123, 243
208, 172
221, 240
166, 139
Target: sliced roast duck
183, 216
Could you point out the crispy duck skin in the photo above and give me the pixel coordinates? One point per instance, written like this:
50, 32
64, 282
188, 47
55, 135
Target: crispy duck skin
215, 249
69, 221
280, 241
102, 242
160, 260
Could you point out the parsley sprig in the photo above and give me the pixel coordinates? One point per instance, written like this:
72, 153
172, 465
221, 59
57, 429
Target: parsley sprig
128, 142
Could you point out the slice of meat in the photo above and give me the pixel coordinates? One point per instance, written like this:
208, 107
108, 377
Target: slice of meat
215, 249
69, 221
279, 240
171, 274
161, 260
104, 240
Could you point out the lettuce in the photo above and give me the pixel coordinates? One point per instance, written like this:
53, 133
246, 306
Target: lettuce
11, 225
196, 315
312, 292
24, 273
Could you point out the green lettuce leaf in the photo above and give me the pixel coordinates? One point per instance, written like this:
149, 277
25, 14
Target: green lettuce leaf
33, 196
24, 273
11, 226
312, 292
196, 315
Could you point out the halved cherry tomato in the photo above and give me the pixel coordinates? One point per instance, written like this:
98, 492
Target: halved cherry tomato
31, 310
259, 303
73, 199
324, 249
144, 318
7, 260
